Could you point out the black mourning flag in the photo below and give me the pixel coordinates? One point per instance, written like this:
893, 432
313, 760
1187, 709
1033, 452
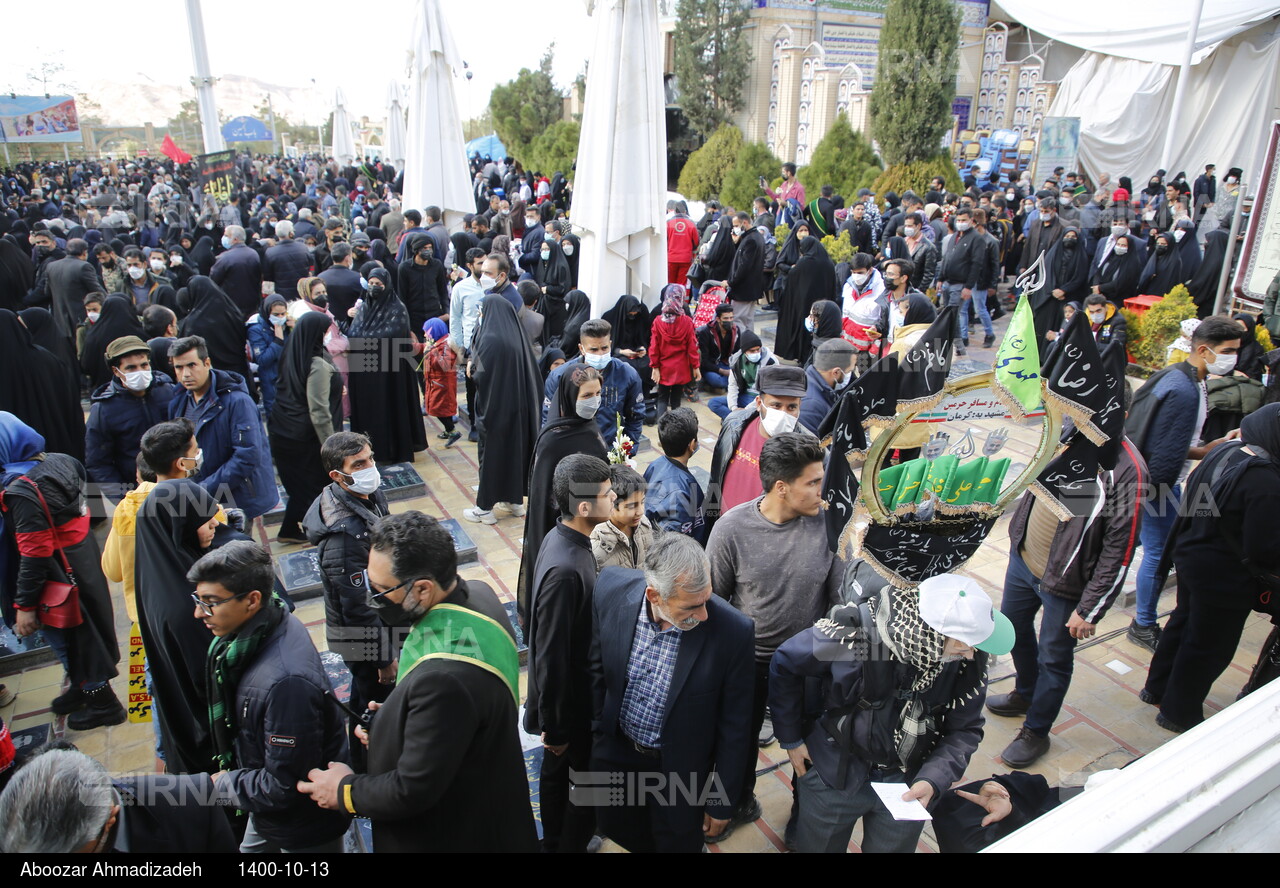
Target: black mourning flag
923, 371
1110, 419
1069, 485
840, 486
907, 554
1076, 379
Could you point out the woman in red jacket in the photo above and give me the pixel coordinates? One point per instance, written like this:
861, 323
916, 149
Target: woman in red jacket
673, 349
439, 368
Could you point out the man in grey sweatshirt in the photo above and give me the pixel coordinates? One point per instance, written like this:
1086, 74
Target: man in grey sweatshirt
769, 559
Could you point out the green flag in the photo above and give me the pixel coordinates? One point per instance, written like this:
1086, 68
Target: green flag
1017, 372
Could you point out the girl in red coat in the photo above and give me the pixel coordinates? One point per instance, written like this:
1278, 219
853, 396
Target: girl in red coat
673, 349
439, 368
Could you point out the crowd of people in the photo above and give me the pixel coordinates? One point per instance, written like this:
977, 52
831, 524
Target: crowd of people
305, 330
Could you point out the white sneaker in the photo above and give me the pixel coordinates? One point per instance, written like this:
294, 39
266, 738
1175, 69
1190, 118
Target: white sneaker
479, 516
516, 511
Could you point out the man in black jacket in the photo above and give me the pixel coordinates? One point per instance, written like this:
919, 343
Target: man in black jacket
859, 671
445, 768
270, 708
287, 262
423, 283
338, 525
63, 801
965, 272
238, 271
671, 679
559, 638
746, 275
1073, 570
342, 283
120, 412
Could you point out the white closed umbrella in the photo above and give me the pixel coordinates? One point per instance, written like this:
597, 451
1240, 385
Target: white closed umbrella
435, 171
620, 187
344, 146
397, 138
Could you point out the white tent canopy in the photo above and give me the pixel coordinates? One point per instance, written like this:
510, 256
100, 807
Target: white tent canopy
1124, 106
621, 173
344, 146
435, 172
396, 136
1141, 31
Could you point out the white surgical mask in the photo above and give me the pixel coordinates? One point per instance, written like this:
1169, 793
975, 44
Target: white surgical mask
488, 282
157, 265
1117, 230
545, 254
808, 324
93, 316
910, 232
1097, 316
137, 380
568, 249
776, 422
599, 362
1221, 364
1009, 195
365, 481
199, 460
226, 242
753, 357
137, 273
1121, 249
963, 226
587, 407
860, 278
278, 320
844, 381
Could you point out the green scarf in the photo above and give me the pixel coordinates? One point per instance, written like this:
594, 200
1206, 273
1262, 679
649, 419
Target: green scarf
451, 632
229, 657
819, 220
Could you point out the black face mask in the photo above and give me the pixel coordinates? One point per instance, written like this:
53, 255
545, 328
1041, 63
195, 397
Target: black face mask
391, 613
1069, 243
424, 255
1162, 248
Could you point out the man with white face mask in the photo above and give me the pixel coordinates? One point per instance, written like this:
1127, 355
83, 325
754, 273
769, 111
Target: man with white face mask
337, 524
735, 463
1165, 424
122, 410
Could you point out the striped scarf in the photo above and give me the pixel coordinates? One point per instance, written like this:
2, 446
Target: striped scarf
229, 657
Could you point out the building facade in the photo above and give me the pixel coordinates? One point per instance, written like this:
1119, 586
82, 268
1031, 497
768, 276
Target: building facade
814, 59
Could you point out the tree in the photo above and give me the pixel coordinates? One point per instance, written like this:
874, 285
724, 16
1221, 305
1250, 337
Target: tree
478, 126
704, 171
556, 149
712, 57
915, 79
524, 108
741, 184
843, 159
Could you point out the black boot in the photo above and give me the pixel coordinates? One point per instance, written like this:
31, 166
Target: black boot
650, 412
72, 701
103, 709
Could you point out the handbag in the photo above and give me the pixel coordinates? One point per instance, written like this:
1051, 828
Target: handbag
59, 605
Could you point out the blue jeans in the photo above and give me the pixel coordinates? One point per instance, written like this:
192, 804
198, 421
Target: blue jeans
58, 643
1157, 520
718, 378
827, 817
720, 406
1044, 667
979, 298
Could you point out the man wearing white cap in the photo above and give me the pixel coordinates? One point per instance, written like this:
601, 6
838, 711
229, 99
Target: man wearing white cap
903, 679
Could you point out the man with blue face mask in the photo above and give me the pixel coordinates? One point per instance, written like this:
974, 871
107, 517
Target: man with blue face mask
825, 379
622, 395
337, 524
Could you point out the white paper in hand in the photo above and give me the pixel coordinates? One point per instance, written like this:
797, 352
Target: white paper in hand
891, 795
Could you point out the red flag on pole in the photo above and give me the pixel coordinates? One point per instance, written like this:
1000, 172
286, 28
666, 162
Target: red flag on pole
169, 149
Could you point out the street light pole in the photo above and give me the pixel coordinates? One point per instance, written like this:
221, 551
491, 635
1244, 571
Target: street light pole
203, 80
271, 118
